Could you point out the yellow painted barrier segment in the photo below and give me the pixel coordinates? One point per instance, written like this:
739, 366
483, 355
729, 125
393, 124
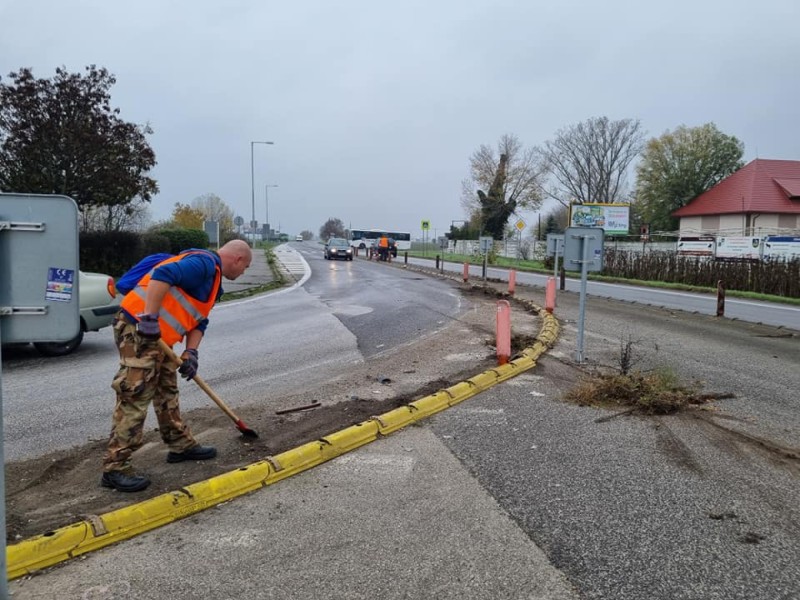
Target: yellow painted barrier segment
73, 540
460, 392
394, 419
483, 381
430, 405
354, 436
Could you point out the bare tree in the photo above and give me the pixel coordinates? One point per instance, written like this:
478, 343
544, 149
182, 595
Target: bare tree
333, 227
589, 161
134, 216
525, 170
215, 209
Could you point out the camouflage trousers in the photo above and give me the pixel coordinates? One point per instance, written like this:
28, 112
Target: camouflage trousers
143, 378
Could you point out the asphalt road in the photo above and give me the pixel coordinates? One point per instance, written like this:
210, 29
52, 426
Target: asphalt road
704, 504
255, 349
768, 313
517, 493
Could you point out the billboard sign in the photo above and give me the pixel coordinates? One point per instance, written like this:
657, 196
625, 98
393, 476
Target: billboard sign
781, 247
697, 246
739, 247
613, 219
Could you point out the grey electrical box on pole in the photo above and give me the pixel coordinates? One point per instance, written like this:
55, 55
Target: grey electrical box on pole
486, 243
38, 268
38, 287
212, 230
555, 244
555, 247
583, 251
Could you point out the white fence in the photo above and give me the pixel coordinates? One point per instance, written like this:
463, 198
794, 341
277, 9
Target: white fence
537, 250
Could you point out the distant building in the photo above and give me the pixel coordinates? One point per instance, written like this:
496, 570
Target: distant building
762, 198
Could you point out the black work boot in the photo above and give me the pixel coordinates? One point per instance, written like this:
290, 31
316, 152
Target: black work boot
194, 453
124, 483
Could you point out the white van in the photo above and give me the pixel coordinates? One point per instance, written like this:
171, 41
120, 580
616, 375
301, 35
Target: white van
298, 238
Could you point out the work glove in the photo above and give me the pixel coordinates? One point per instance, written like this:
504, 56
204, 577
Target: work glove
188, 368
148, 326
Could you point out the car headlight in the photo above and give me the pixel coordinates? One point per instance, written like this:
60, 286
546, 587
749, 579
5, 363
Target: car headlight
349, 250
333, 250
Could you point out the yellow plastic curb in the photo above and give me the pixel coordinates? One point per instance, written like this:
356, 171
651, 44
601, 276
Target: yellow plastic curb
65, 543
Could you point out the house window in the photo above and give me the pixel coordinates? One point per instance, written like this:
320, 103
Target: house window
709, 223
787, 221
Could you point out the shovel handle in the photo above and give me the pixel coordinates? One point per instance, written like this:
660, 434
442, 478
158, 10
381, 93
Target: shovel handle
199, 381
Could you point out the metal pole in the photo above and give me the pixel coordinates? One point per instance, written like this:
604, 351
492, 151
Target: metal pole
266, 192
253, 194
253, 190
582, 303
555, 269
3, 563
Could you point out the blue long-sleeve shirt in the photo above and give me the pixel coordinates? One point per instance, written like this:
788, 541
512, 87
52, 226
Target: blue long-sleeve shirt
194, 274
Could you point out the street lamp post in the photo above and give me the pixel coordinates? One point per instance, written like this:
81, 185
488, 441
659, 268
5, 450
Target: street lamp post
253, 190
266, 194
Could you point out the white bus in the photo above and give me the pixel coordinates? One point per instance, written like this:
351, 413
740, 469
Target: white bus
366, 238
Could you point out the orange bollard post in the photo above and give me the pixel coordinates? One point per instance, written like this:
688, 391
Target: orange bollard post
466, 272
503, 335
512, 281
550, 294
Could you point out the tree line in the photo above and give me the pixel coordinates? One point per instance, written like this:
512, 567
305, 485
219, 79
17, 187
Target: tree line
62, 136
589, 163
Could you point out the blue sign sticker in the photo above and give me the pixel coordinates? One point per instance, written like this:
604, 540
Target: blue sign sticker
59, 284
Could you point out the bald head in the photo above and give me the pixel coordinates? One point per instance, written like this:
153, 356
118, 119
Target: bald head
235, 257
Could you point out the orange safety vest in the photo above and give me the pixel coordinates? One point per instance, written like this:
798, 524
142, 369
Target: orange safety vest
180, 313
383, 242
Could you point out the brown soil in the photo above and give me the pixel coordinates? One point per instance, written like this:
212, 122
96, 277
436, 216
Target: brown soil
55, 490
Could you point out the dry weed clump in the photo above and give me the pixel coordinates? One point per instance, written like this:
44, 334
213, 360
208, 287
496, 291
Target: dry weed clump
656, 392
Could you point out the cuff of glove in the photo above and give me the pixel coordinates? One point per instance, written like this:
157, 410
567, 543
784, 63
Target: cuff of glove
151, 317
192, 351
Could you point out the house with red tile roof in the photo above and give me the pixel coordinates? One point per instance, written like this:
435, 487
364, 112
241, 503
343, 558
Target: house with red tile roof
762, 198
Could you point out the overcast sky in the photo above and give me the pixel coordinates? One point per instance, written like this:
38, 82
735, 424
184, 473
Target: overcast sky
374, 108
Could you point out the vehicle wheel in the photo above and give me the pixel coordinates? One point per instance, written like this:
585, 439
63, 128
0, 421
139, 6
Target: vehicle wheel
59, 348
349, 258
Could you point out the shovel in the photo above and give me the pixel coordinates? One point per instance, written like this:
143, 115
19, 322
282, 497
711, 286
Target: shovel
246, 431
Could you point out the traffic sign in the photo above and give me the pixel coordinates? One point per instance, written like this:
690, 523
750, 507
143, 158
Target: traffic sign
520, 225
426, 224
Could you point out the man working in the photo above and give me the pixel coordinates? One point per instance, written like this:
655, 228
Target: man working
172, 302
383, 247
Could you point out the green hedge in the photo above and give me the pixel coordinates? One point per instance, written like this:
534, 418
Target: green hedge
117, 251
183, 239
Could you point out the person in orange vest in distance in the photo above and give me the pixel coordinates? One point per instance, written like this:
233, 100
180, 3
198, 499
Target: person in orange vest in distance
171, 301
383, 247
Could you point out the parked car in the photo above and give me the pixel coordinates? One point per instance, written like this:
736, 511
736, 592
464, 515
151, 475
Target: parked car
298, 238
338, 248
98, 303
